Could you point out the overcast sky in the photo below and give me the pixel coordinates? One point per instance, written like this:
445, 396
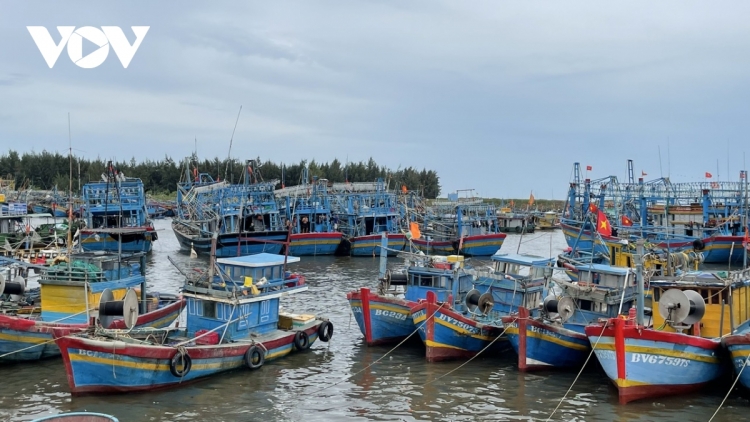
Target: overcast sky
497, 96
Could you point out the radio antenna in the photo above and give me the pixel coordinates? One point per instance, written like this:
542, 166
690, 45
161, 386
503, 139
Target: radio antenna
229, 154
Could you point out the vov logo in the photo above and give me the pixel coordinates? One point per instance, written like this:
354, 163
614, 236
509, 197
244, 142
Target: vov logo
73, 38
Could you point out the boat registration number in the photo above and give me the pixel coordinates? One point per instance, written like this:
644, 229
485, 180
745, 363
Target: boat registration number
390, 314
659, 360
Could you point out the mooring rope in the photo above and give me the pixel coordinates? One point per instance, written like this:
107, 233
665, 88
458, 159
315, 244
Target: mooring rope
593, 348
744, 365
382, 357
473, 357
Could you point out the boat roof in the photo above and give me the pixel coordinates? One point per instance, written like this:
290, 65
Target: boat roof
522, 259
258, 260
39, 215
601, 268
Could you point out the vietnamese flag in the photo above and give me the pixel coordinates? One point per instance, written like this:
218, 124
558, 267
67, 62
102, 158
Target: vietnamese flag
589, 168
602, 224
709, 175
626, 221
593, 208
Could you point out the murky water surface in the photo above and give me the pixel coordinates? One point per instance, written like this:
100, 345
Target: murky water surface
330, 382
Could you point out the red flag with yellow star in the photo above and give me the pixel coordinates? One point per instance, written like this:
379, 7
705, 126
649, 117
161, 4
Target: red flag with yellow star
626, 221
602, 224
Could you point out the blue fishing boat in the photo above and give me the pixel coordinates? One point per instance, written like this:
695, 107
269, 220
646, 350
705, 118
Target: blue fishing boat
470, 321
233, 321
555, 337
738, 345
245, 216
115, 215
308, 211
362, 215
69, 292
681, 351
387, 316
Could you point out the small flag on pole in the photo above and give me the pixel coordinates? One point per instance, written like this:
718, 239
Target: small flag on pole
708, 175
589, 168
531, 199
643, 173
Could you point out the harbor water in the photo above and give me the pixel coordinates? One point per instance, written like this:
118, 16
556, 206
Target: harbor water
341, 380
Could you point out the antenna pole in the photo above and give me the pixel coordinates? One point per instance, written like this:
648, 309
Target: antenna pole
229, 154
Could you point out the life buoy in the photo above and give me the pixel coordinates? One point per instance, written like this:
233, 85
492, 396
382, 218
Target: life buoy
698, 245
301, 340
254, 357
518, 229
325, 331
180, 364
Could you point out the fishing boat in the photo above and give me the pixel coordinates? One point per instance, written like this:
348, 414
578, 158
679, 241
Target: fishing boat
68, 294
363, 215
683, 353
233, 321
555, 337
308, 211
245, 216
115, 214
548, 221
466, 321
514, 222
384, 316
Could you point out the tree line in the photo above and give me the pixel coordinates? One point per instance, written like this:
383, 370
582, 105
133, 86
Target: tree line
48, 170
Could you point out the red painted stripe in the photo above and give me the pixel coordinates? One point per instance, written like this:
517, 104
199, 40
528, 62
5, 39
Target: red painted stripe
523, 314
430, 313
365, 292
316, 235
620, 347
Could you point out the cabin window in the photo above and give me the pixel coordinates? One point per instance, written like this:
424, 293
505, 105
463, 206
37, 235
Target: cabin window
657, 295
627, 262
209, 309
585, 305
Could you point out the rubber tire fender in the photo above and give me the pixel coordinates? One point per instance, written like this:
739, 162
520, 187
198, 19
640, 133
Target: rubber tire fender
698, 245
301, 340
251, 354
186, 364
325, 331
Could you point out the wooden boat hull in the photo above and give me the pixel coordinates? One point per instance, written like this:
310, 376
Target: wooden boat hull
540, 345
719, 248
482, 245
313, 244
233, 244
382, 319
110, 366
370, 245
449, 335
738, 346
585, 241
435, 247
20, 333
646, 363
136, 242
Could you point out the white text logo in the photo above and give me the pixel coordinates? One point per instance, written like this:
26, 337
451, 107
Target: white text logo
73, 38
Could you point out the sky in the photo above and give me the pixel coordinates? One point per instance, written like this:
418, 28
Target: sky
497, 96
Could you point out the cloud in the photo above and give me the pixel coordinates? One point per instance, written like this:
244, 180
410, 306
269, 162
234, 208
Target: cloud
501, 97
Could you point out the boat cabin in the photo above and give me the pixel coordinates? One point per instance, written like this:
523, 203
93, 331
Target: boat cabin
448, 285
600, 289
515, 280
244, 293
67, 289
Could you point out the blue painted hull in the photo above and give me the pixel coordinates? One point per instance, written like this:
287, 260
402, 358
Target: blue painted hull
313, 244
370, 245
647, 363
390, 319
482, 245
234, 244
739, 349
93, 367
450, 335
540, 345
